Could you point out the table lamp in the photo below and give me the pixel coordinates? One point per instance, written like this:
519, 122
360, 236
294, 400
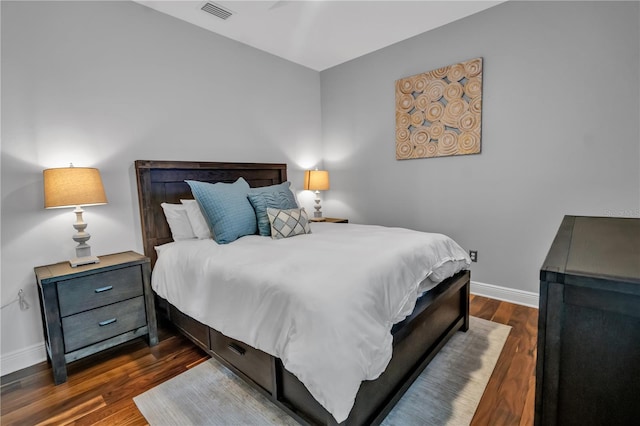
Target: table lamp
316, 180
75, 187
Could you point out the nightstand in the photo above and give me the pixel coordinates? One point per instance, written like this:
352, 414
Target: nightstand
90, 308
329, 220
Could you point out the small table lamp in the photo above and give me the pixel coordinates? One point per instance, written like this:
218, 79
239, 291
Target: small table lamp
75, 187
316, 180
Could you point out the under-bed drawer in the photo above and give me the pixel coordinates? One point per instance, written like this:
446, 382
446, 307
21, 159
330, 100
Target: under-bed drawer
252, 362
198, 332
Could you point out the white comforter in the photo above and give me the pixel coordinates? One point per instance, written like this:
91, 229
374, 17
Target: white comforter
324, 303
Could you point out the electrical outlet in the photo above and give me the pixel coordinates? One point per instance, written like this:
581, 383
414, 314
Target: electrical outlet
473, 254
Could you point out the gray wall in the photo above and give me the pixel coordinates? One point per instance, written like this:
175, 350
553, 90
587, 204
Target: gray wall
102, 84
560, 132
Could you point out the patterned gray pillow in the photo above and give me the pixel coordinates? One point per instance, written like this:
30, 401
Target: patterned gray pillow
287, 223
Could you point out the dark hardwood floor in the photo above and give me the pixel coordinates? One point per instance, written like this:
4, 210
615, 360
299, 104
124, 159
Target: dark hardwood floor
100, 388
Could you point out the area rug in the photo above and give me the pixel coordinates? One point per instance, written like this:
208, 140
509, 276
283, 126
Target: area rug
446, 393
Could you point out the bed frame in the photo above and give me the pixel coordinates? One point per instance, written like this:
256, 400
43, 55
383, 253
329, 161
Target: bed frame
438, 314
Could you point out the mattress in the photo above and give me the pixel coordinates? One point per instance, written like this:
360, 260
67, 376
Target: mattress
324, 303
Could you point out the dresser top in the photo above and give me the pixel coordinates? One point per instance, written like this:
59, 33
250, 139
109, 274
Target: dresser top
110, 261
602, 248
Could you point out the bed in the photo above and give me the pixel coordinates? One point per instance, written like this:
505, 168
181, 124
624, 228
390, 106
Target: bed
437, 315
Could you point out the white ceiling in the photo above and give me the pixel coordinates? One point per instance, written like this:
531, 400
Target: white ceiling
321, 34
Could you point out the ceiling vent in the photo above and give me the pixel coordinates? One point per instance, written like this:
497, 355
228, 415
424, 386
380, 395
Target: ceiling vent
216, 10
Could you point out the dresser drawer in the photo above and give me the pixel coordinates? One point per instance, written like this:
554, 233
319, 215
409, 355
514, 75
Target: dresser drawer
252, 362
85, 293
93, 326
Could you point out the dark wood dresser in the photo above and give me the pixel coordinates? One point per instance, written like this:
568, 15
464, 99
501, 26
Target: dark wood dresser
588, 365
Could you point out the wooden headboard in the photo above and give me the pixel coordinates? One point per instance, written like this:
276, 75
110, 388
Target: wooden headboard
163, 182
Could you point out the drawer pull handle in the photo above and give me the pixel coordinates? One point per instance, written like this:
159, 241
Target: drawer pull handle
237, 349
107, 322
101, 289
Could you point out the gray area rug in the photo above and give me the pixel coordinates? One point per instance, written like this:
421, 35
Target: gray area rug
446, 393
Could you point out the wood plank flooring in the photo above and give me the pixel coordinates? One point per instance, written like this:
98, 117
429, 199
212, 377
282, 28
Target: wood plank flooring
100, 388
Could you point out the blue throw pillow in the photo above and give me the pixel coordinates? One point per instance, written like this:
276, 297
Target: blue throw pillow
274, 196
226, 208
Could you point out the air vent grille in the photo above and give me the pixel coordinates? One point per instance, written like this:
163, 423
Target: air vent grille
216, 10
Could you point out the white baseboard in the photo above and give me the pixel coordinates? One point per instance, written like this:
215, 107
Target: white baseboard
22, 358
519, 297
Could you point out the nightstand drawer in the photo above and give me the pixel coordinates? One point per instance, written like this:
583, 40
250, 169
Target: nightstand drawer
251, 361
102, 323
85, 293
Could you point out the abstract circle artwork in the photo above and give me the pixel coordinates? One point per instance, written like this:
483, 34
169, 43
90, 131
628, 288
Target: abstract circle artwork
439, 113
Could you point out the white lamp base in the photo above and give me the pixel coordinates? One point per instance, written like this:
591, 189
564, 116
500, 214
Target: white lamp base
79, 261
318, 213
83, 250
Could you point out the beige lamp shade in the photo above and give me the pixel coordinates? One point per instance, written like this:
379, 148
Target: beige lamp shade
73, 186
316, 180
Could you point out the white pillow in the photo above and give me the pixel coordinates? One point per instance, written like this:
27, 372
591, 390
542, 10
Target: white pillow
197, 220
176, 215
295, 194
